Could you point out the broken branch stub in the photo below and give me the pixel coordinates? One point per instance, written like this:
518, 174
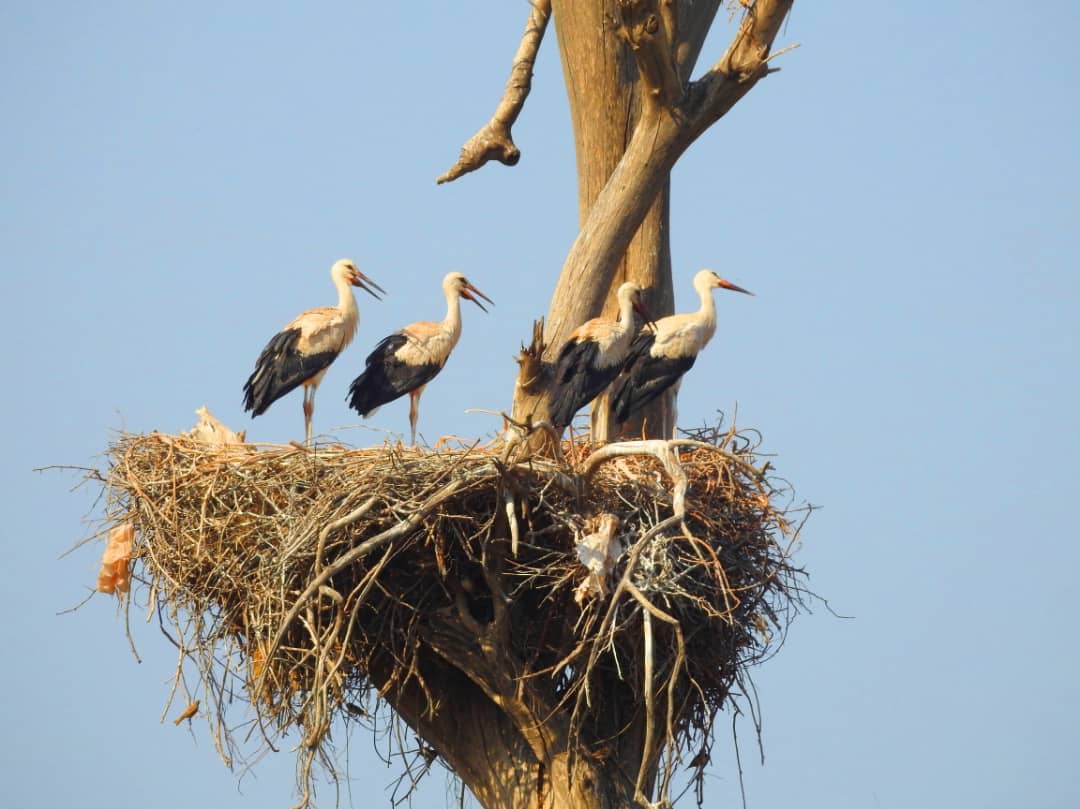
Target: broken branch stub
647, 27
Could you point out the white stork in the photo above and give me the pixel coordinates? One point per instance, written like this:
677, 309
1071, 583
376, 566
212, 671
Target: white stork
408, 359
593, 355
302, 351
659, 358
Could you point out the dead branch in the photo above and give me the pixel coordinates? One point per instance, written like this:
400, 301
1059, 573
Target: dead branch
663, 451
494, 140
758, 28
348, 519
532, 373
742, 64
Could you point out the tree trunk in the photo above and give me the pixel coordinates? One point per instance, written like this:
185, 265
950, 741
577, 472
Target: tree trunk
606, 109
475, 726
626, 64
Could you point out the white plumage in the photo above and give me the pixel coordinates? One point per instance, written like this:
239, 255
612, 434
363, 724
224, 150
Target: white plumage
302, 351
660, 357
405, 361
593, 355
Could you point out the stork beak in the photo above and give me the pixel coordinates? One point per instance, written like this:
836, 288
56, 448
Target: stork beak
732, 287
646, 315
469, 288
366, 284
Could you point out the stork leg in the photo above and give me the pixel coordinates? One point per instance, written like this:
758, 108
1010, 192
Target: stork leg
414, 411
675, 408
309, 409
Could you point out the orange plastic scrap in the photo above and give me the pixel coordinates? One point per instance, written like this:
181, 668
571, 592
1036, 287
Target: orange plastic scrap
115, 576
188, 714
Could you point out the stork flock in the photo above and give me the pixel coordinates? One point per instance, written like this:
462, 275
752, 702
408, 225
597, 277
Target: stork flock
637, 364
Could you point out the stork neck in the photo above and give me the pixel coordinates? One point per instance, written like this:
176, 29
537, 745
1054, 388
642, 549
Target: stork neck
346, 299
626, 314
707, 313
452, 321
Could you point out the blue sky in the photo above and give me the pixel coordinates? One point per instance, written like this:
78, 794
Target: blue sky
902, 198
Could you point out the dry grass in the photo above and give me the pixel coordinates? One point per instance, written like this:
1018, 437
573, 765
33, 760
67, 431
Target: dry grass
298, 583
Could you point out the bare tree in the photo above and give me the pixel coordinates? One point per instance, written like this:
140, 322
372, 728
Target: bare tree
449, 586
634, 108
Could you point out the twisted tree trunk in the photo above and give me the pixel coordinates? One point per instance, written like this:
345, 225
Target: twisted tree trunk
626, 64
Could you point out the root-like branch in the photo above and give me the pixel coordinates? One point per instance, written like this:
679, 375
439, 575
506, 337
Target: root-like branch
349, 518
663, 451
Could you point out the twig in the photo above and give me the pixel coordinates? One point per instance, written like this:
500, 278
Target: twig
782, 51
647, 744
510, 504
348, 519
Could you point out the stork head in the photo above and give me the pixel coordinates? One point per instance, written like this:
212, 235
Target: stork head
707, 279
630, 293
345, 270
455, 282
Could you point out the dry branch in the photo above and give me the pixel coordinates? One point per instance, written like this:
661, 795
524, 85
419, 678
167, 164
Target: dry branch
494, 140
310, 584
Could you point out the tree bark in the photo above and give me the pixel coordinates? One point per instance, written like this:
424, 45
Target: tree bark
500, 732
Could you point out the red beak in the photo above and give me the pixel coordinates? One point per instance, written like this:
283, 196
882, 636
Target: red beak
469, 288
732, 287
643, 310
362, 281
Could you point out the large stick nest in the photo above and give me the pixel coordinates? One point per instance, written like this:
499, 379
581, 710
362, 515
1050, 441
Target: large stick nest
302, 583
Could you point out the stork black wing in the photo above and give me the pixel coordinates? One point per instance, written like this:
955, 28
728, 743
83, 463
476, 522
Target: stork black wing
645, 379
281, 368
642, 343
386, 378
578, 380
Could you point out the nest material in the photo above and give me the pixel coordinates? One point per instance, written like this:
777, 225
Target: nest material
301, 582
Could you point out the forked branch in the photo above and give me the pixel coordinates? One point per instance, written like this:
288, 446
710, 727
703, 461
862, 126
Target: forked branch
743, 63
660, 137
494, 140
488, 665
